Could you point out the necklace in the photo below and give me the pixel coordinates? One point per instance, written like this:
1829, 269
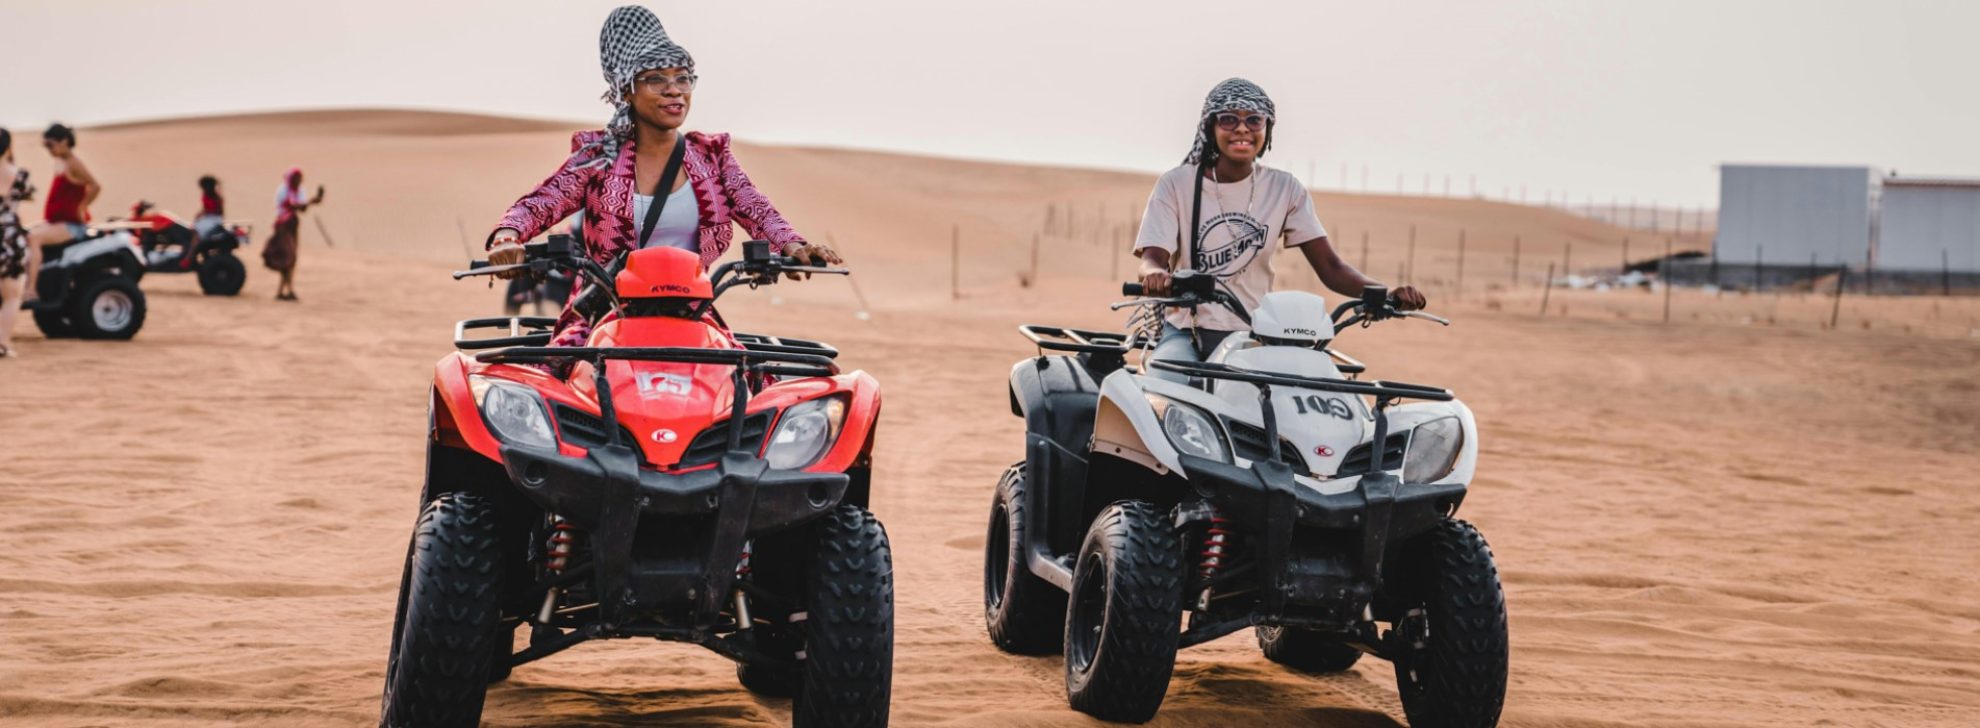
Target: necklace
1250, 192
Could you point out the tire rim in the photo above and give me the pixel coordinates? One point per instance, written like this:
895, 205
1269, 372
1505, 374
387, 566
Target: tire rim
111, 310
1089, 613
996, 558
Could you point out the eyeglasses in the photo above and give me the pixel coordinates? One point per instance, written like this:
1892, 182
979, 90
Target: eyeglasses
659, 82
1229, 122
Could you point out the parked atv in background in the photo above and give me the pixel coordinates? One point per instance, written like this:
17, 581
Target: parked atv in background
206, 251
88, 288
1274, 491
683, 483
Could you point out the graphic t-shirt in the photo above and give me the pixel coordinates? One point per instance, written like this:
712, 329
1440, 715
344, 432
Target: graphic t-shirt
1238, 237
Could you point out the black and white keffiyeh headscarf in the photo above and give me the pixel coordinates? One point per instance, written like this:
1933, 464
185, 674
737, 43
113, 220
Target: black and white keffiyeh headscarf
1233, 94
632, 41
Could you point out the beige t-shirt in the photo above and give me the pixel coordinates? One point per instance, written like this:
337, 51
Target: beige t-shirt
1237, 237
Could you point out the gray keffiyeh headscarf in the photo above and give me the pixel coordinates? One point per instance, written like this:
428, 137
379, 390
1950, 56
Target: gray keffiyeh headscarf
632, 41
1233, 94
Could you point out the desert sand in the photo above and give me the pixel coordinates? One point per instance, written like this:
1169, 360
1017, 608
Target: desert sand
1739, 518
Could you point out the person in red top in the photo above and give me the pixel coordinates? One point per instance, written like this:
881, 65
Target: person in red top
66, 216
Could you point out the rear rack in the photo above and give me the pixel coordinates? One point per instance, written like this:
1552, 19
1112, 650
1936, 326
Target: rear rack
523, 331
1084, 341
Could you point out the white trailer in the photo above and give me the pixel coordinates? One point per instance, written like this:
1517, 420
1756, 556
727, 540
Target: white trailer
1795, 215
1929, 225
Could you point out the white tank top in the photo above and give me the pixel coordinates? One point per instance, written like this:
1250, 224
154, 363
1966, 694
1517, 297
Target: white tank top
679, 220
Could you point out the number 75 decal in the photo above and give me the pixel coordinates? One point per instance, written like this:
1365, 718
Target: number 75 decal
1313, 404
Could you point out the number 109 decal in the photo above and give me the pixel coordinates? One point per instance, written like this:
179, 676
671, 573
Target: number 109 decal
1314, 404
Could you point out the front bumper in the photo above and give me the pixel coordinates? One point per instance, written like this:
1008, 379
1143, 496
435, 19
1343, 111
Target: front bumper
1319, 555
667, 544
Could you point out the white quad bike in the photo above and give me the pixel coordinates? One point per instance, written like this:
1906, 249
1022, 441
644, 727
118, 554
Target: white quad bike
1273, 490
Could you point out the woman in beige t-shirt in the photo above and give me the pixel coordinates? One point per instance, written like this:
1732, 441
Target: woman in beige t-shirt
1247, 210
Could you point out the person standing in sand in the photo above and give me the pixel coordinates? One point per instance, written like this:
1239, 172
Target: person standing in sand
13, 242
1230, 231
613, 174
66, 216
280, 253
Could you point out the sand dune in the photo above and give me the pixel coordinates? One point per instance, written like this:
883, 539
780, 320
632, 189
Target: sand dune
1738, 520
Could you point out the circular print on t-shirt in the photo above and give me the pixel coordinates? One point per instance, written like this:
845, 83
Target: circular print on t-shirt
1230, 242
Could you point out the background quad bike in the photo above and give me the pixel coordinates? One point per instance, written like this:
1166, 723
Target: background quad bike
88, 289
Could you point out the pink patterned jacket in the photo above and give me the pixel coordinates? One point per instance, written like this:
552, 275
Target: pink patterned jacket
723, 194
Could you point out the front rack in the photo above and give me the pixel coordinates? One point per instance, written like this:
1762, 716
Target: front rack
785, 345
1383, 390
745, 361
1084, 341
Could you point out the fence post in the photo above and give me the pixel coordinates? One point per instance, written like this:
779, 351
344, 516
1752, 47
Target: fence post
1460, 271
1515, 275
1410, 275
1114, 259
1567, 258
1364, 250
1546, 290
1759, 252
1670, 282
1842, 279
1625, 265
1032, 278
955, 262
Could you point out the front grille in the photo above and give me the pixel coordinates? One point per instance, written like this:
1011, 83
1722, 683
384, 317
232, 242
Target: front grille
1356, 462
1249, 443
585, 430
708, 446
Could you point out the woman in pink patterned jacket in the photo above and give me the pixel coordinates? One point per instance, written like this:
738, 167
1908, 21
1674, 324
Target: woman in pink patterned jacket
612, 173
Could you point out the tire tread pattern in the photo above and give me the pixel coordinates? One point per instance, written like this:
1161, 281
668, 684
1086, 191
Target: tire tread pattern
452, 615
1031, 618
849, 646
1466, 659
1136, 655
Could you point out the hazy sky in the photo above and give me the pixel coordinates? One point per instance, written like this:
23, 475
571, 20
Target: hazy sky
1601, 99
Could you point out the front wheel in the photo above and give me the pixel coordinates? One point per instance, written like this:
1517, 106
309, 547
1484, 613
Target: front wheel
221, 274
848, 673
107, 307
1126, 614
1025, 614
1450, 641
438, 672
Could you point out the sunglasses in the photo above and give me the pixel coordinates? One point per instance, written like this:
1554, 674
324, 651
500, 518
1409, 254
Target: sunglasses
1229, 122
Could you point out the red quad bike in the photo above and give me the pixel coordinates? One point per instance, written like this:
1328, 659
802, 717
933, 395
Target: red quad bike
684, 483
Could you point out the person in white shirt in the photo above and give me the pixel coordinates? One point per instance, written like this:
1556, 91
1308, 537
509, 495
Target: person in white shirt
1242, 210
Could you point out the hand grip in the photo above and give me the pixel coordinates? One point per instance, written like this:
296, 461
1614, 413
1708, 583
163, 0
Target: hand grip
477, 264
1131, 289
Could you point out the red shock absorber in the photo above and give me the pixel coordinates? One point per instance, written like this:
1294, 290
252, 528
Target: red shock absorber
1212, 557
563, 539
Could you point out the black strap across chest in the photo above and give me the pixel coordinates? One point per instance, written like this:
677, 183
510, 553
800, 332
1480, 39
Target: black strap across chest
665, 189
1196, 219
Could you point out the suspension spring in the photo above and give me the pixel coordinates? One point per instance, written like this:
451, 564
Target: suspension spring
563, 540
1214, 538
742, 564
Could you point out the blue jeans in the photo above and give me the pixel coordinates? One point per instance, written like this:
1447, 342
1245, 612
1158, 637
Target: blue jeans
1186, 345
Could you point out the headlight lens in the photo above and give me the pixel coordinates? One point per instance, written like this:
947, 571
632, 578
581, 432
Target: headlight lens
805, 432
1190, 430
1433, 450
513, 411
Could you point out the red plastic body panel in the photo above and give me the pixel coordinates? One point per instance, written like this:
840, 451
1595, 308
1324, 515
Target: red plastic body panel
663, 273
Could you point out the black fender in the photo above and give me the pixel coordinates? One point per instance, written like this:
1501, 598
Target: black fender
1056, 396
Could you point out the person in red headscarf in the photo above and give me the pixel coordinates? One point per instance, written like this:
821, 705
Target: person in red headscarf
280, 253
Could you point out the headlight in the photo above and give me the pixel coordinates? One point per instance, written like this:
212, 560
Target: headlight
805, 432
1190, 430
513, 411
1433, 450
